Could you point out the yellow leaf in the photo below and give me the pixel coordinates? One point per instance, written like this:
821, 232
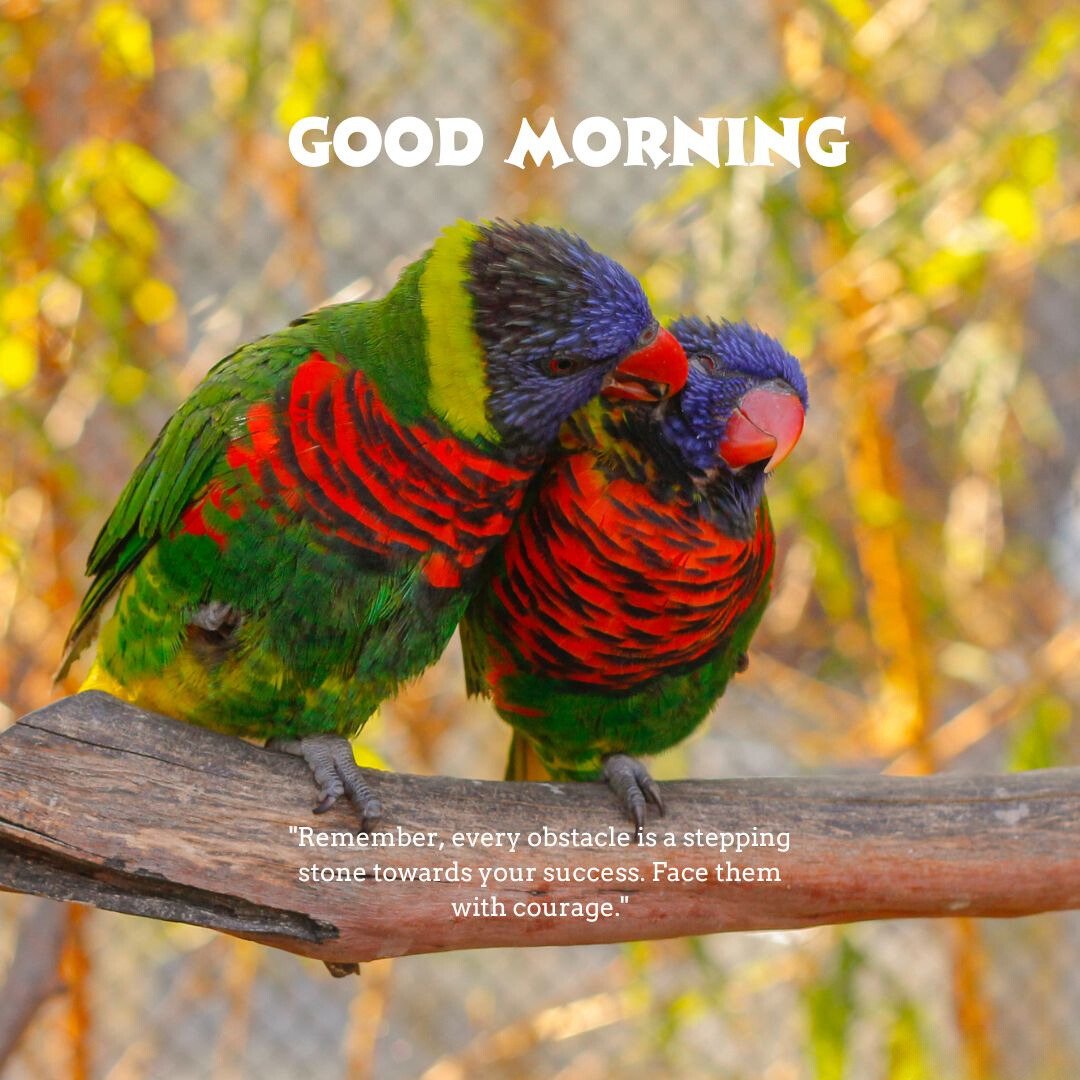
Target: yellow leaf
878, 508
126, 384
943, 270
1012, 206
662, 281
127, 219
1037, 158
18, 362
90, 160
305, 85
9, 148
143, 175
1059, 41
19, 304
154, 301
90, 265
855, 12
126, 41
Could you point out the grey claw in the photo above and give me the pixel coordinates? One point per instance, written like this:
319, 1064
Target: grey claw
360, 795
630, 780
335, 772
652, 793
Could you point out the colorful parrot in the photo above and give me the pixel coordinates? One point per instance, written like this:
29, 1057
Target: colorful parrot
306, 531
626, 594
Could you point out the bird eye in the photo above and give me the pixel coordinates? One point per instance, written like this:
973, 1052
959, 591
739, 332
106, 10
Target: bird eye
565, 365
648, 335
706, 362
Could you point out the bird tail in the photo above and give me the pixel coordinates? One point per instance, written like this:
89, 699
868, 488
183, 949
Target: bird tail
523, 762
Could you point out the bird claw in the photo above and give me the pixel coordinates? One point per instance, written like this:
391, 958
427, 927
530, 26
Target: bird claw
330, 759
630, 780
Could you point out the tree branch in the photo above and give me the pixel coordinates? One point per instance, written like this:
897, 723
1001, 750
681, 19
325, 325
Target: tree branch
34, 975
125, 810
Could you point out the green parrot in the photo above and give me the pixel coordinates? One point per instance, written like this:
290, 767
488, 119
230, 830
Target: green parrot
626, 595
307, 529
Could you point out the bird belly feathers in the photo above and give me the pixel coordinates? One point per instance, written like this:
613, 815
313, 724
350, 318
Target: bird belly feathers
617, 617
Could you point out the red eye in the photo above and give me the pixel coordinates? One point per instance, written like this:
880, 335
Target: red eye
565, 365
706, 362
648, 336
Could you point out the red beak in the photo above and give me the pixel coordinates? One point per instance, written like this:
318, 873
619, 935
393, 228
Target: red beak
765, 427
650, 374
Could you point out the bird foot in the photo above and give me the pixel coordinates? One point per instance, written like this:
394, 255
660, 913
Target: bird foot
330, 759
630, 780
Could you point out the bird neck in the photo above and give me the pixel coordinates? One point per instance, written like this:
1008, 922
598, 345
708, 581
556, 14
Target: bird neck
732, 498
457, 389
651, 447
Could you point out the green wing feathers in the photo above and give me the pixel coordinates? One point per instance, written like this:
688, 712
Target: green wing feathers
179, 464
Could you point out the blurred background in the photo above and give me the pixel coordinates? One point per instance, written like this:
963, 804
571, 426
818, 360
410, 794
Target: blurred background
924, 615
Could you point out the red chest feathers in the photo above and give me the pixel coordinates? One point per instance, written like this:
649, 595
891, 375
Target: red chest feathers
332, 453
609, 586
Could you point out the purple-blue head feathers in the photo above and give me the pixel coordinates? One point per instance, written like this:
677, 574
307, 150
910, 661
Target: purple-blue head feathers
555, 318
743, 403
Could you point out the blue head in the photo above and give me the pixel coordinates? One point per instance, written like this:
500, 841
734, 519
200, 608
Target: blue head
742, 408
560, 323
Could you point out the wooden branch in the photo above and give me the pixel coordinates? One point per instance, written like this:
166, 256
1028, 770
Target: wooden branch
107, 805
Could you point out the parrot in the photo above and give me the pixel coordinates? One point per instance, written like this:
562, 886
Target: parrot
305, 532
626, 594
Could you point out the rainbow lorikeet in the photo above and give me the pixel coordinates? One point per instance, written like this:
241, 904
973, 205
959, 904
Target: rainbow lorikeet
306, 531
627, 592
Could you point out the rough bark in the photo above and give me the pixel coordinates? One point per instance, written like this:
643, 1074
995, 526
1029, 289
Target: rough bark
107, 805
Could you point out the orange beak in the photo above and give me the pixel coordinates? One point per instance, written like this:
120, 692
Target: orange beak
765, 426
650, 374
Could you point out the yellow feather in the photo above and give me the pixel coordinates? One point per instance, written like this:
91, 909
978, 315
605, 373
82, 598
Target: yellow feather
177, 691
100, 679
458, 390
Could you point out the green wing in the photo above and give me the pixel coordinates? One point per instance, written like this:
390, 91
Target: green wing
182, 460
385, 337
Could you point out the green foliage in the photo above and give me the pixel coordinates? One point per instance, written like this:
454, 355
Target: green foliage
829, 1006
1040, 742
908, 1055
